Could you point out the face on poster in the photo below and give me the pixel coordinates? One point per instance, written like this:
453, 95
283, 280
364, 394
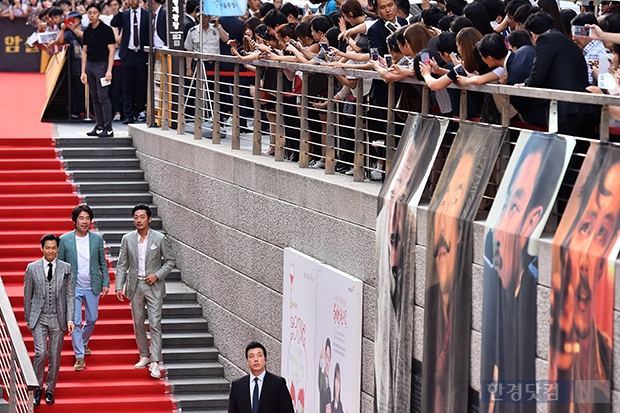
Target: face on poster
449, 255
396, 231
338, 342
516, 220
584, 249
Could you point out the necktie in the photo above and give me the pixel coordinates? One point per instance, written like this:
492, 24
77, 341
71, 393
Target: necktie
255, 396
136, 38
49, 272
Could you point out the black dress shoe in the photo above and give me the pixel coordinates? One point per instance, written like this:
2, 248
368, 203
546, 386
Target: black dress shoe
127, 121
95, 132
37, 397
49, 398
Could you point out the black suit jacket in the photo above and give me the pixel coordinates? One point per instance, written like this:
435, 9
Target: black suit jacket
123, 22
519, 66
161, 27
234, 27
188, 23
274, 397
377, 34
559, 64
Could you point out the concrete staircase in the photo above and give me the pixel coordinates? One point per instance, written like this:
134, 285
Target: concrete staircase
107, 175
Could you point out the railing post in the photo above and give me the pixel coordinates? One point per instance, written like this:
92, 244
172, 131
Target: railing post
199, 70
164, 93
390, 140
304, 134
463, 105
604, 126
505, 110
216, 103
236, 130
426, 99
181, 93
330, 150
279, 139
257, 136
358, 160
553, 116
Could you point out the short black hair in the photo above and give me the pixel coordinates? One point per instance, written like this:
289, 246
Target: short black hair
492, 44
519, 38
79, 209
321, 24
191, 6
445, 22
460, 23
65, 2
289, 9
523, 12
94, 5
513, 5
583, 19
610, 23
540, 22
274, 18
253, 345
265, 8
456, 7
144, 207
404, 6
49, 237
494, 8
432, 15
57, 11
446, 43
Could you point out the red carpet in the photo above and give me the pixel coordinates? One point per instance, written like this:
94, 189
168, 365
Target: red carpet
36, 197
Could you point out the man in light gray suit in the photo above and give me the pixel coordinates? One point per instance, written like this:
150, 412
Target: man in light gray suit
49, 311
83, 249
140, 272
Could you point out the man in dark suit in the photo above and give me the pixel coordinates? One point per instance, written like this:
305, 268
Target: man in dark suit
189, 19
134, 25
260, 391
377, 35
48, 310
160, 36
559, 64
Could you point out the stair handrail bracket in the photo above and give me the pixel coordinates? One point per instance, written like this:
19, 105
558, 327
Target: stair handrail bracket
19, 380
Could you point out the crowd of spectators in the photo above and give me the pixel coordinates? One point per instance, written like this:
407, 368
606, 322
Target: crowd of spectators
521, 43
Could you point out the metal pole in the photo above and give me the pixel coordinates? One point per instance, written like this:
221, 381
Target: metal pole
216, 103
279, 138
330, 150
304, 134
257, 137
236, 130
358, 160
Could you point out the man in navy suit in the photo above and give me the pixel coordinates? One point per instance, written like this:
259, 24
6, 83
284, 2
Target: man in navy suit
377, 35
260, 391
134, 25
83, 249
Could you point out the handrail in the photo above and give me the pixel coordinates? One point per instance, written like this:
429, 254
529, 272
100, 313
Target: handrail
496, 89
17, 373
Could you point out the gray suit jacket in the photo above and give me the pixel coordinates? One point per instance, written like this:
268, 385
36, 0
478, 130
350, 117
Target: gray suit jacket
157, 247
63, 286
98, 266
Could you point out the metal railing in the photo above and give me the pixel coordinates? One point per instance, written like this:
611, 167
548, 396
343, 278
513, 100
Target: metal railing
223, 104
16, 371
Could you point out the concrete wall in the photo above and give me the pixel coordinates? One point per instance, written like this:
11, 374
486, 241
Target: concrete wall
230, 215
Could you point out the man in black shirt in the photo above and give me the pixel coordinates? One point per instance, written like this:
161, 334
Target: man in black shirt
97, 62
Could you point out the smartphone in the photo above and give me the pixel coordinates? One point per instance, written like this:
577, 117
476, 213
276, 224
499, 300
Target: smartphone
455, 56
388, 60
233, 43
292, 43
460, 70
581, 31
391, 26
425, 58
374, 53
325, 46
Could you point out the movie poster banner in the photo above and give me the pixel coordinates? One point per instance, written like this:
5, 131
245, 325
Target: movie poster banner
299, 328
449, 256
338, 341
585, 247
396, 240
522, 206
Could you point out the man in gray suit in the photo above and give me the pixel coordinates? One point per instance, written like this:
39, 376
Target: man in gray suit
49, 311
141, 273
83, 249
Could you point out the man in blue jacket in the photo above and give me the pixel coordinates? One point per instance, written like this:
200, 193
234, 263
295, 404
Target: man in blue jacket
83, 249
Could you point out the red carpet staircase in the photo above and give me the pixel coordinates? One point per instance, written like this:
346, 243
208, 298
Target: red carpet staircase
36, 197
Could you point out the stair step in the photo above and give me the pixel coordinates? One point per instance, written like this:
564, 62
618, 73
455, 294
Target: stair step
172, 355
199, 385
179, 325
202, 401
107, 175
123, 211
187, 340
121, 223
181, 310
130, 198
117, 187
97, 152
62, 143
187, 370
116, 163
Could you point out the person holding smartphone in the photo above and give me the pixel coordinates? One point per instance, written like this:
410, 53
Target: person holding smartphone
97, 63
